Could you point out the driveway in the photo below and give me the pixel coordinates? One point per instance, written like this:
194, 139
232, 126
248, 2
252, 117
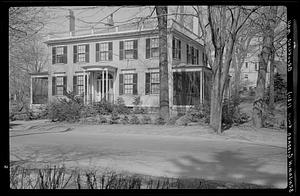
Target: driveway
198, 156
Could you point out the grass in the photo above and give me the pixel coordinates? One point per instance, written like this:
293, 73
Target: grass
60, 178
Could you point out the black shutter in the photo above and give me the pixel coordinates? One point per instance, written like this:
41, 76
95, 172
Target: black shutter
147, 87
110, 51
147, 48
97, 52
135, 49
193, 55
87, 47
74, 54
121, 55
75, 85
187, 54
53, 86
173, 48
197, 57
121, 90
53, 55
135, 84
85, 84
179, 47
65, 58
65, 85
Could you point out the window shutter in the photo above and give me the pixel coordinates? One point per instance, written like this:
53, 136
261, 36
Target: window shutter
97, 52
121, 55
75, 85
197, 57
53, 55
110, 51
85, 84
87, 47
173, 48
53, 86
179, 46
65, 60
193, 55
135, 83
65, 85
147, 48
135, 49
121, 90
187, 53
147, 87
75, 54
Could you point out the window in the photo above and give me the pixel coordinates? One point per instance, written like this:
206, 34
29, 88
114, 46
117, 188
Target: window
152, 83
81, 53
256, 67
59, 54
104, 51
192, 55
128, 84
176, 48
59, 85
128, 49
152, 47
246, 64
78, 85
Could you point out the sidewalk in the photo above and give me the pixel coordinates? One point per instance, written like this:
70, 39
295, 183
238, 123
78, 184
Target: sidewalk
246, 133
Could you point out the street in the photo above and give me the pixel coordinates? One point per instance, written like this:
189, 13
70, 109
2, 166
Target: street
158, 155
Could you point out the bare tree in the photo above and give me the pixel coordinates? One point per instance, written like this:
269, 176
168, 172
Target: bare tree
161, 12
224, 23
268, 21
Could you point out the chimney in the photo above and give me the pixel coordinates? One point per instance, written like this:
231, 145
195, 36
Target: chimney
72, 22
110, 21
181, 16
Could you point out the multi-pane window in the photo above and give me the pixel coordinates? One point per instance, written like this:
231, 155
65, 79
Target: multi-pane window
128, 46
154, 83
81, 53
59, 54
128, 83
80, 83
152, 47
59, 85
128, 49
104, 51
192, 55
176, 48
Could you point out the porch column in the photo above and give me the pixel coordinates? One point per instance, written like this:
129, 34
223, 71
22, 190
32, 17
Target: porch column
106, 84
31, 95
102, 92
87, 86
84, 87
92, 85
201, 86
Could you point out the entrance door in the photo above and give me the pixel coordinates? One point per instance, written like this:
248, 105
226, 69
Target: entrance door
99, 94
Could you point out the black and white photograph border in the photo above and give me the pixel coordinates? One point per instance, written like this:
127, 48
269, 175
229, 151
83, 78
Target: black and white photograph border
146, 97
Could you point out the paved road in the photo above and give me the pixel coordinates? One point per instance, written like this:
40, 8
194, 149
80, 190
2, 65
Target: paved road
154, 155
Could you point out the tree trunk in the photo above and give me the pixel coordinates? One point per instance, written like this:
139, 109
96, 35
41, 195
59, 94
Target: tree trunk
258, 105
161, 12
271, 94
237, 75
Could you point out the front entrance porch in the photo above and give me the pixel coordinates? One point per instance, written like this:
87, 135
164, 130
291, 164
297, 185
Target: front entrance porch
99, 83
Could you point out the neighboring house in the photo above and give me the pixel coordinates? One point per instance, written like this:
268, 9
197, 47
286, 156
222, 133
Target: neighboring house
249, 72
123, 61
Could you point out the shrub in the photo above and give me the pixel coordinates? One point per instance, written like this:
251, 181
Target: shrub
160, 121
134, 120
114, 118
103, 107
198, 113
120, 106
66, 109
146, 119
172, 120
125, 120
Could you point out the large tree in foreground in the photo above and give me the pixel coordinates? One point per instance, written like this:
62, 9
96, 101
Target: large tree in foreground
161, 12
219, 32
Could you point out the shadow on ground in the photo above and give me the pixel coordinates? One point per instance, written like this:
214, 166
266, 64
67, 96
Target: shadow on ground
230, 166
